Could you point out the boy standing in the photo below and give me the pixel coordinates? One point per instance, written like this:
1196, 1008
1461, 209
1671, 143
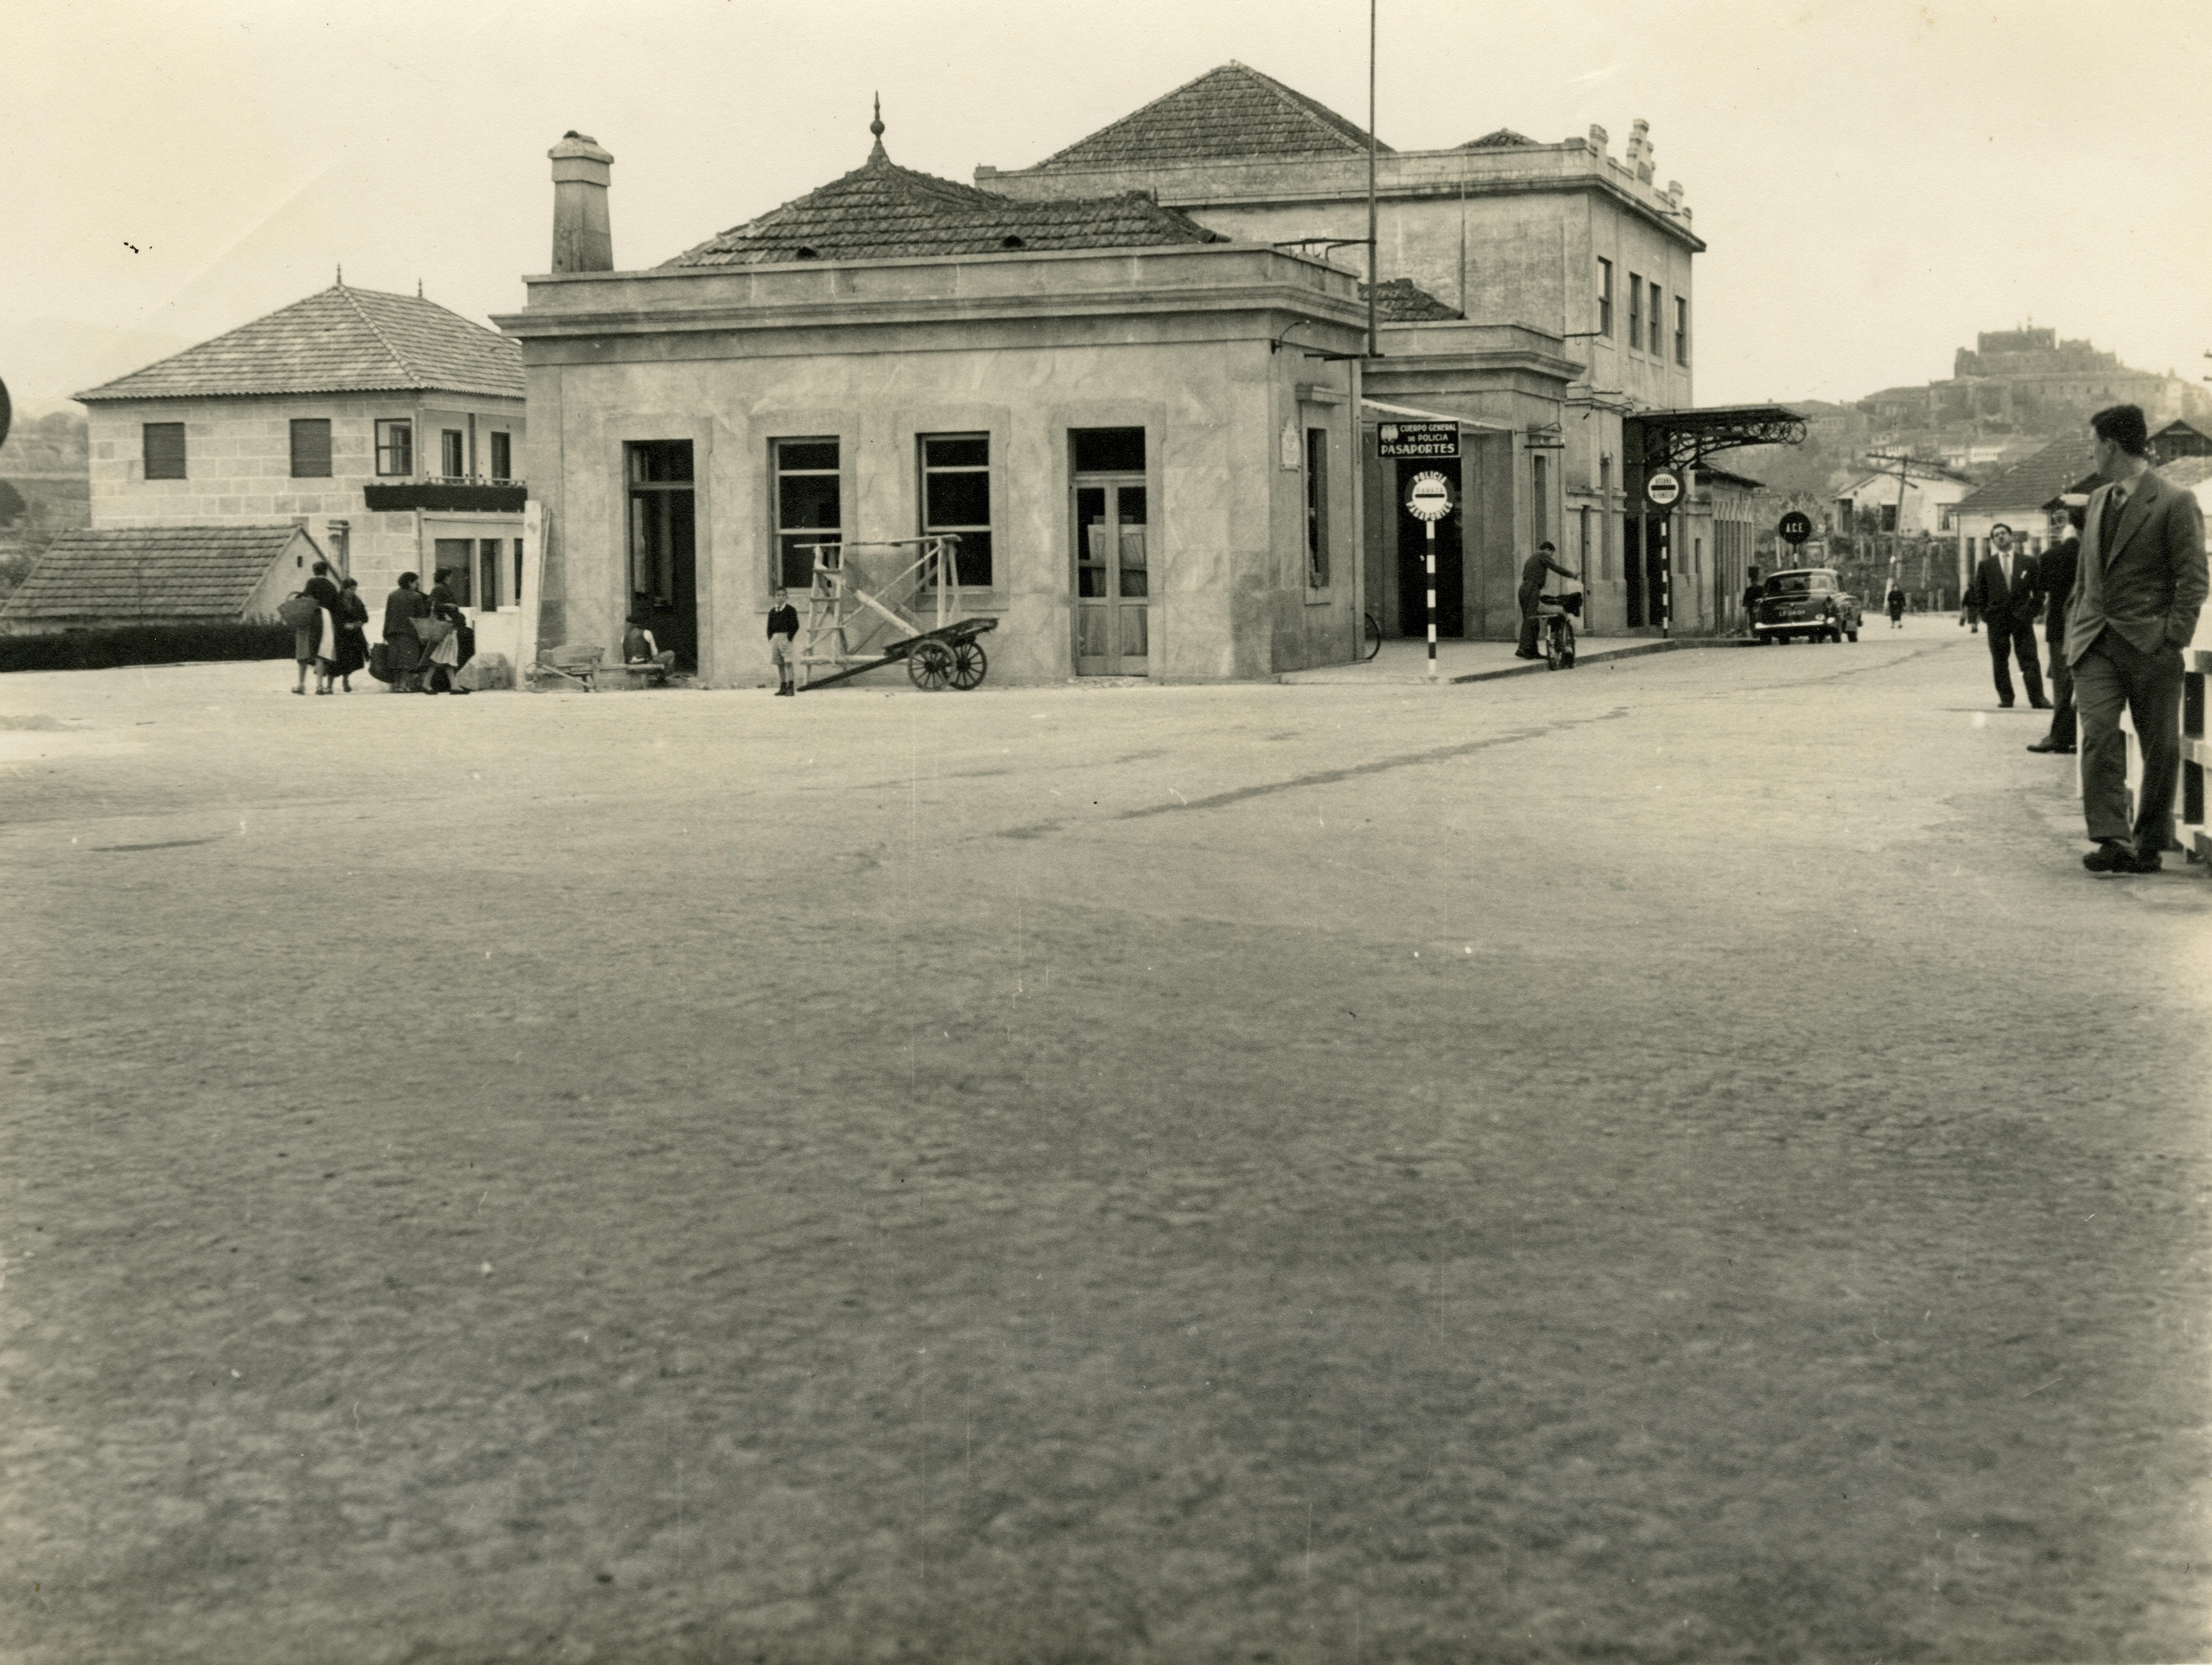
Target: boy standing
782, 633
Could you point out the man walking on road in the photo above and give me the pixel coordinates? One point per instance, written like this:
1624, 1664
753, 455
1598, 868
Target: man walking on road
1752, 590
1532, 586
2134, 610
2055, 573
2004, 593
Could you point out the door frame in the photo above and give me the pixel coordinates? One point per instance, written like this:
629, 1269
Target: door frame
1114, 484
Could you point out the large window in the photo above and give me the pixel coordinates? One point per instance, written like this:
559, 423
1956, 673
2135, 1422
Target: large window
1657, 326
311, 448
1605, 297
502, 456
956, 497
1681, 329
662, 530
809, 507
488, 554
164, 444
452, 460
1636, 310
1317, 509
395, 447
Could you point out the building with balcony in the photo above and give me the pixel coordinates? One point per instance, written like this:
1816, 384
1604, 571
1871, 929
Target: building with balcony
388, 428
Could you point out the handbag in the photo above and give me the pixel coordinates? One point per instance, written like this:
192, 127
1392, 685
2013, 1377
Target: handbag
430, 630
379, 661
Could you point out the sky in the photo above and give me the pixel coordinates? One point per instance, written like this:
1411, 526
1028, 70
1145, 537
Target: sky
1877, 181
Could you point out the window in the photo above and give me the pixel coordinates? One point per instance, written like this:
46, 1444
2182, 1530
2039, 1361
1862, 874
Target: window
1635, 310
956, 497
808, 506
488, 573
1316, 508
1656, 326
1681, 329
164, 450
311, 448
518, 572
502, 456
452, 461
1605, 525
1109, 450
1605, 297
395, 447
452, 560
1540, 513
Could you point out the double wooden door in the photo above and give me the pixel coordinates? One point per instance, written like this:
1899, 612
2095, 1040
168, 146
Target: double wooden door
1113, 577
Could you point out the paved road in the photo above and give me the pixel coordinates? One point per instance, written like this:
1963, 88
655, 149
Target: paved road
1667, 1163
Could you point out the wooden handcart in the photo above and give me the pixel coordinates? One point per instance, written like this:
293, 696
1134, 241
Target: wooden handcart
843, 635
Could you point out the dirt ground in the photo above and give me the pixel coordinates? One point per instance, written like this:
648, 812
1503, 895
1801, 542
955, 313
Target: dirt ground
1666, 1163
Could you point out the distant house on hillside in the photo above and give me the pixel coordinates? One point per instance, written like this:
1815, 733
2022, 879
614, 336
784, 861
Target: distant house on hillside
386, 426
1923, 507
89, 579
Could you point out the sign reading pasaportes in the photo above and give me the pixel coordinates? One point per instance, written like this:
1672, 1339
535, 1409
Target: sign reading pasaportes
1418, 439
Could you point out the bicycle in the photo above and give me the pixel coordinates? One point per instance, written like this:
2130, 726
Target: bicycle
1370, 635
1555, 631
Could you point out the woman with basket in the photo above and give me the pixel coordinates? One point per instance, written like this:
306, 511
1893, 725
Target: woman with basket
312, 615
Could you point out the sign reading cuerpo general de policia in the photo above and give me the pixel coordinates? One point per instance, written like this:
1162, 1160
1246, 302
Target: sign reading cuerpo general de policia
1418, 439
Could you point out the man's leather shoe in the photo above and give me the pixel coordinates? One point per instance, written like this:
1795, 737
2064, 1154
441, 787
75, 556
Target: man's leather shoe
2116, 855
1518, 655
2040, 705
2053, 745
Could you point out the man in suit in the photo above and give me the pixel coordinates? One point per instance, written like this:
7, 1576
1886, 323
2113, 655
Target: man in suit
2056, 571
2134, 610
2004, 593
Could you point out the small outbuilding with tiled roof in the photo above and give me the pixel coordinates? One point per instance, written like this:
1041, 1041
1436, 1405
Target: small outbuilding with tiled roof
93, 578
2020, 499
1140, 433
390, 427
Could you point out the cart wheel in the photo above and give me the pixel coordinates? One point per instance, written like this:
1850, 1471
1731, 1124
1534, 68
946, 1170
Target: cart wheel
930, 664
968, 664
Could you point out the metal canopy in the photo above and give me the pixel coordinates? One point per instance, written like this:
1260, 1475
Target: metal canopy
1683, 439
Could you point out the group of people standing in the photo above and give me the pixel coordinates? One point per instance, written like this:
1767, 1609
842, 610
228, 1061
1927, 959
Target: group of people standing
334, 643
413, 664
2117, 592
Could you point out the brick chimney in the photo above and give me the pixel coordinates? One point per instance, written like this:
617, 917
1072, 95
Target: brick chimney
581, 240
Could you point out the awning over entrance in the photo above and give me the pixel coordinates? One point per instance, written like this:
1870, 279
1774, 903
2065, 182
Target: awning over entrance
1682, 439
1377, 410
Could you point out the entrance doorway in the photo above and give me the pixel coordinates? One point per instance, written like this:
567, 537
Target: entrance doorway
1413, 555
1113, 577
664, 578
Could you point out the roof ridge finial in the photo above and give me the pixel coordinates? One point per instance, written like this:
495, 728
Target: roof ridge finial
341, 277
418, 288
876, 127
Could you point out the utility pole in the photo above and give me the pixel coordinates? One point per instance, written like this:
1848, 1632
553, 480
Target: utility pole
1374, 347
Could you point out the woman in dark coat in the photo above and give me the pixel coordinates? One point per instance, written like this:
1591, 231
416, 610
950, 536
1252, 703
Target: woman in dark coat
315, 644
439, 679
353, 639
401, 609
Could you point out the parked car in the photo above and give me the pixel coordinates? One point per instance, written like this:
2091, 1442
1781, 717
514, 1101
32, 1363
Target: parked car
1806, 601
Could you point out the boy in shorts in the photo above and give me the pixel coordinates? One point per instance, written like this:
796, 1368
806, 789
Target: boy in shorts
782, 633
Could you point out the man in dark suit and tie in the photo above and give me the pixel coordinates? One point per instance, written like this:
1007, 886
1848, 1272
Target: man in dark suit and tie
2056, 570
2004, 593
2134, 610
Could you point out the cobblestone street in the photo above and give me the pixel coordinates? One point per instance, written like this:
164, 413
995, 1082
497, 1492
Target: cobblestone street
1670, 1162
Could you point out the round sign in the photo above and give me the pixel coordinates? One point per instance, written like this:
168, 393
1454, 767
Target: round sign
1662, 489
1430, 498
1796, 526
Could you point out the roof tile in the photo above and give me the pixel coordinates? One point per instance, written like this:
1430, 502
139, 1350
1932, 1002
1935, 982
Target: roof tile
1233, 111
1398, 301
883, 211
341, 340
2035, 480
149, 573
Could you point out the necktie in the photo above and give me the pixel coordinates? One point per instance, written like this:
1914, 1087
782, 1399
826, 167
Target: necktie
2108, 525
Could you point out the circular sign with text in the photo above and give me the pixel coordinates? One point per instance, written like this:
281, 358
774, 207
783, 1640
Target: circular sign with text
1796, 526
1429, 499
1662, 489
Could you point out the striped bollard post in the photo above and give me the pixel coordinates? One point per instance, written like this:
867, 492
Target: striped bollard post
1429, 502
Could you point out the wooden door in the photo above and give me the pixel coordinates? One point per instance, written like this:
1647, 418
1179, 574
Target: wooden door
1113, 577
